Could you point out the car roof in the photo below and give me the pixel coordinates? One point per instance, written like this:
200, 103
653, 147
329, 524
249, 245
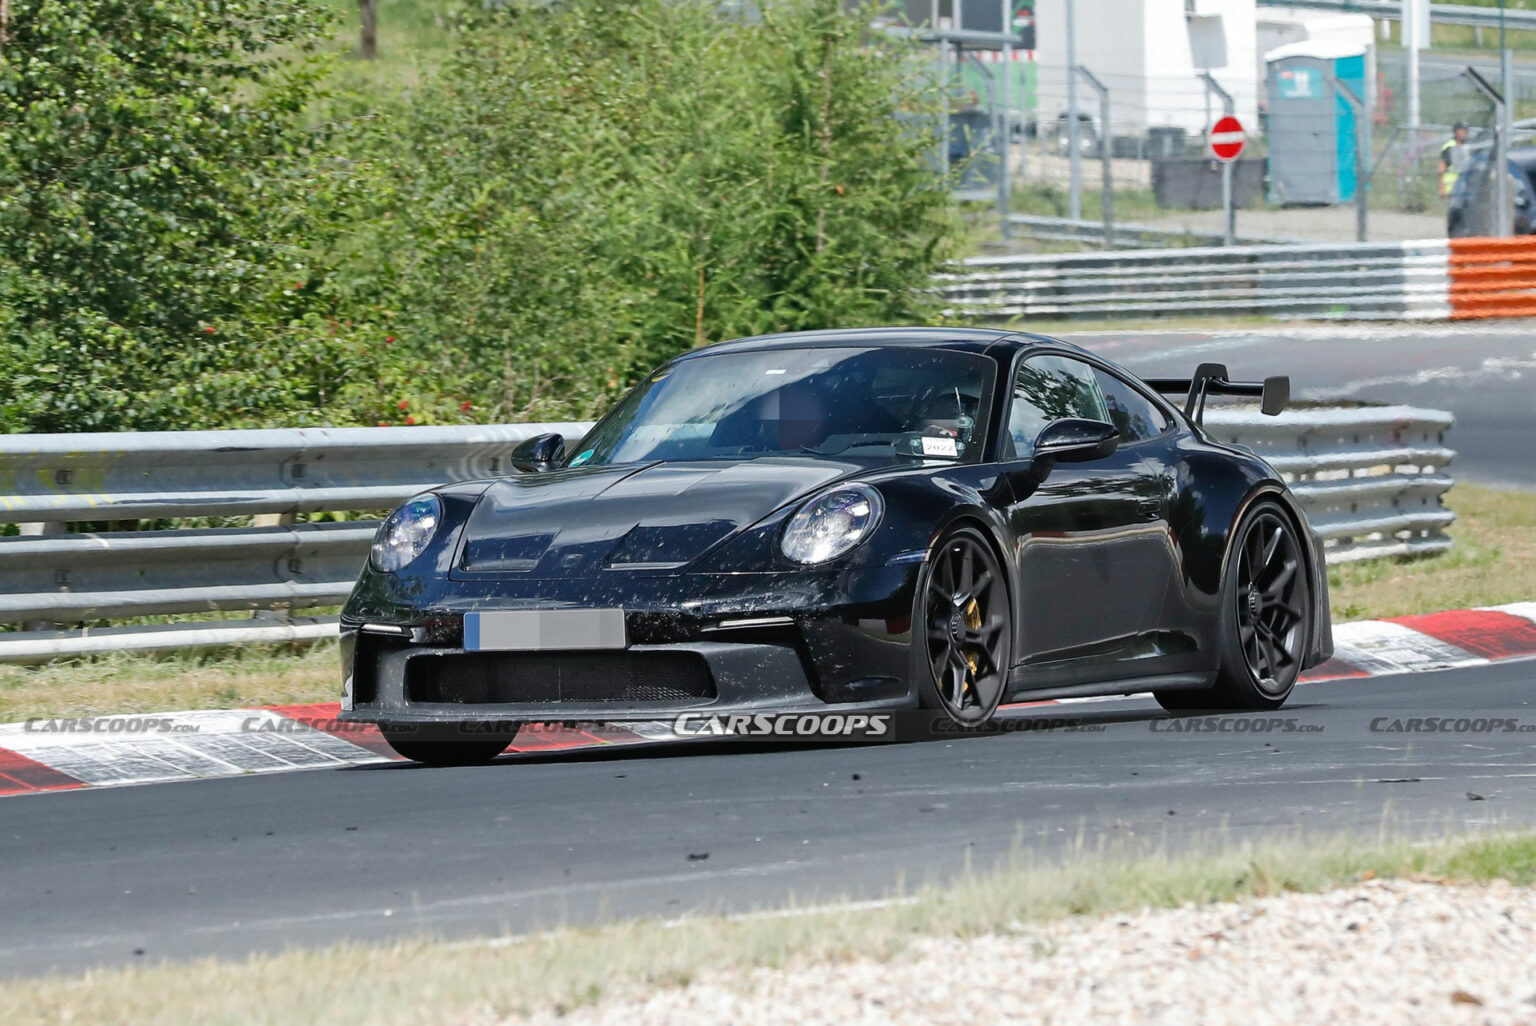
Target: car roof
1523, 158
975, 340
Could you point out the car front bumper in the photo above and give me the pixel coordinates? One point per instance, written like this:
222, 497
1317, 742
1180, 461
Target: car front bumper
758, 651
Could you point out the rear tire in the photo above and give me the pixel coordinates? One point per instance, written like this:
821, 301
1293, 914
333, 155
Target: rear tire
467, 752
1266, 618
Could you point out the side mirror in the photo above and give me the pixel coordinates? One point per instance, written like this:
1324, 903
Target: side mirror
540, 453
1275, 396
1075, 440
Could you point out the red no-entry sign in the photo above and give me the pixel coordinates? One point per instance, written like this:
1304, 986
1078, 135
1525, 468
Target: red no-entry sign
1227, 138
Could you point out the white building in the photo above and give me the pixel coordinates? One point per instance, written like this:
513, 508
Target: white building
1150, 53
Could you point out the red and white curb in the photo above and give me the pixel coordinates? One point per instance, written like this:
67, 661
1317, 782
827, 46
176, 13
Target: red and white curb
104, 751
62, 753
1431, 641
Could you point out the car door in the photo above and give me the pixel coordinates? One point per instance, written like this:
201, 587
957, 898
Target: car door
1149, 431
1093, 543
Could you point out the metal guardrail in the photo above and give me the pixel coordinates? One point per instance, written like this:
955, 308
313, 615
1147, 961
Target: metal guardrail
1125, 236
48, 575
1388, 280
1446, 14
116, 476
1370, 478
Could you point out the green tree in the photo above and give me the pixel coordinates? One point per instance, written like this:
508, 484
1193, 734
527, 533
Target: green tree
588, 189
152, 161
190, 236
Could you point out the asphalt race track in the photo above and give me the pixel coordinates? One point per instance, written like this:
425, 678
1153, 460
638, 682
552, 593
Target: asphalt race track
1482, 373
260, 863
256, 863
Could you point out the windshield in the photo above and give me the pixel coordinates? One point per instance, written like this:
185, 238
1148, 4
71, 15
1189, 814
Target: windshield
877, 403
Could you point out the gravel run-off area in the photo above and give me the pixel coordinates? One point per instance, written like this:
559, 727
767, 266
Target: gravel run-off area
1384, 951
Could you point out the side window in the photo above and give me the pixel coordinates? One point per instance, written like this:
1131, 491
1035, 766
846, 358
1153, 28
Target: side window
1049, 388
1132, 413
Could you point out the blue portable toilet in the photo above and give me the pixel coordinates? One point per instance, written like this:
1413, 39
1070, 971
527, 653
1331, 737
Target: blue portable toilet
1311, 127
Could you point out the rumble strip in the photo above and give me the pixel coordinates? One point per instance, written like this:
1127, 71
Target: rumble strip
68, 753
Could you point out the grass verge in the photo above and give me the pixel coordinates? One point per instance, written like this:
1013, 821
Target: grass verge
1492, 562
427, 981
127, 682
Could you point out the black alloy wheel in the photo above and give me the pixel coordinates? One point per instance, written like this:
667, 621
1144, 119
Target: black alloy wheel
1271, 603
1266, 618
966, 637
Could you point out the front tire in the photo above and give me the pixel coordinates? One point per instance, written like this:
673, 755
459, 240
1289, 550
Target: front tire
1266, 618
467, 752
963, 629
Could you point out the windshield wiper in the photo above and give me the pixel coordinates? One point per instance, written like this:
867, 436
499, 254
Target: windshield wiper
888, 441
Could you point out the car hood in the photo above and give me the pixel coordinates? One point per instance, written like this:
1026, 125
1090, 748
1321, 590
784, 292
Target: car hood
656, 517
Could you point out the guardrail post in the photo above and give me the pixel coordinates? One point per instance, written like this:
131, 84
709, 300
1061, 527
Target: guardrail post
286, 611
40, 529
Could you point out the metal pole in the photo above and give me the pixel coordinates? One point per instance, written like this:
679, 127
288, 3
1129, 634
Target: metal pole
999, 138
1506, 221
933, 23
1106, 157
1364, 147
1411, 24
1228, 200
1074, 177
1229, 234
1005, 186
1043, 137
1357, 107
1503, 215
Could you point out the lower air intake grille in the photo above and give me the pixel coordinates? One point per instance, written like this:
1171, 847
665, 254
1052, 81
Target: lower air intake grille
491, 678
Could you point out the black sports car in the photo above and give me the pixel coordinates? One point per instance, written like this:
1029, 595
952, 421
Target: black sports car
845, 521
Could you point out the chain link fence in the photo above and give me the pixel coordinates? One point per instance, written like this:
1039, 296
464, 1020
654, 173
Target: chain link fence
1147, 142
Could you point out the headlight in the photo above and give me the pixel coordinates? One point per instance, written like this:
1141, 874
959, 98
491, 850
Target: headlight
832, 523
406, 533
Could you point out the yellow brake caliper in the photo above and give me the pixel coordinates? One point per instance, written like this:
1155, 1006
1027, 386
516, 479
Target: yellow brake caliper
973, 621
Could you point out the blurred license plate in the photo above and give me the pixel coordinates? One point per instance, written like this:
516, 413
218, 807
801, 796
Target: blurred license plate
527, 630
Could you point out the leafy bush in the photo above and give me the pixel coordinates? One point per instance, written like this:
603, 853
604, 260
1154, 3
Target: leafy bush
580, 191
588, 189
151, 155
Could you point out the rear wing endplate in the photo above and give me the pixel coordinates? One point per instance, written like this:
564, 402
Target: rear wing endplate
1211, 379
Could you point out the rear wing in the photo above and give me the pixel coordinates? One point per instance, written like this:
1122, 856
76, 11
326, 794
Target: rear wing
1211, 379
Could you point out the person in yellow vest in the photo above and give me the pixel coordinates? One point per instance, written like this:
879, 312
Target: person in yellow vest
1454, 157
